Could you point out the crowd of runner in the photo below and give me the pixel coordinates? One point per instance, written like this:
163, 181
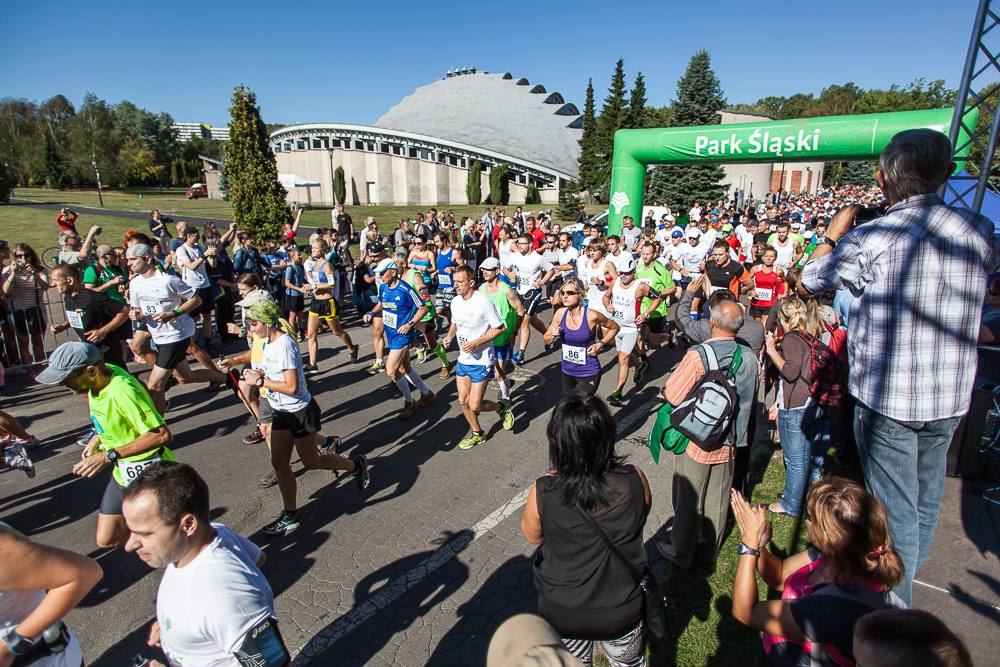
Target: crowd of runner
744, 288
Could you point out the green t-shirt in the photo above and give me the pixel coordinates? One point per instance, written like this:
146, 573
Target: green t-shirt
658, 277
121, 412
507, 313
94, 275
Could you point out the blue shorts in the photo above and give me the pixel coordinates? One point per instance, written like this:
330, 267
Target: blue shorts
503, 352
474, 372
396, 340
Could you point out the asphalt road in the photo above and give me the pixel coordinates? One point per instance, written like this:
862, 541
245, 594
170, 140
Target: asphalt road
418, 569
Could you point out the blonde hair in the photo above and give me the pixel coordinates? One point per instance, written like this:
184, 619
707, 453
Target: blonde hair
800, 315
851, 530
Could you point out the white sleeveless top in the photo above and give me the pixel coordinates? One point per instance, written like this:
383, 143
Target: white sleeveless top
625, 303
15, 607
586, 271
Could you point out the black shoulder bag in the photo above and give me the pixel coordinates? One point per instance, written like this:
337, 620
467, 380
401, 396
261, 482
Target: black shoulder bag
654, 602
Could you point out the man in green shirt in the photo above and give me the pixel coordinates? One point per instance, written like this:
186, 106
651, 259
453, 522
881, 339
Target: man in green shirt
129, 433
105, 276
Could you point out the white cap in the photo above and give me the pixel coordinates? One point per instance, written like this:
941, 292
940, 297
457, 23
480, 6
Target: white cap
385, 265
693, 232
490, 263
626, 265
254, 298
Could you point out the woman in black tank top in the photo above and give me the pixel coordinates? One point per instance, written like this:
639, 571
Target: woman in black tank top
584, 591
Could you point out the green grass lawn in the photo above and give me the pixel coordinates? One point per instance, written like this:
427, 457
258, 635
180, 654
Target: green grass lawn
701, 628
37, 227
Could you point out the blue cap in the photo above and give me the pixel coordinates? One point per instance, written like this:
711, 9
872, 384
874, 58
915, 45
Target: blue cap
67, 358
677, 234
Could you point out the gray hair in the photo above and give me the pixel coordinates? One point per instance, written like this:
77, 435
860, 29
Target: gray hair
916, 162
722, 321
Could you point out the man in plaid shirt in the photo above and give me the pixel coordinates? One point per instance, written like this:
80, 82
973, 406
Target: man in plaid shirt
918, 275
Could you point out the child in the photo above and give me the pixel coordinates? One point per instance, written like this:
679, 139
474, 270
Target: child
295, 301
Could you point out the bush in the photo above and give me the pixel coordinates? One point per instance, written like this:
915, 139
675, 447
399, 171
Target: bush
533, 196
339, 186
499, 185
474, 188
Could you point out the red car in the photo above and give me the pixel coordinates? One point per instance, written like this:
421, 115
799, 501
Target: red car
197, 191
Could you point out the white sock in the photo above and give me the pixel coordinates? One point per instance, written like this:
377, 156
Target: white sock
405, 388
504, 388
417, 381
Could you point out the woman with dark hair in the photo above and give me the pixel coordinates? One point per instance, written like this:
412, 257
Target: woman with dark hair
25, 282
585, 591
848, 572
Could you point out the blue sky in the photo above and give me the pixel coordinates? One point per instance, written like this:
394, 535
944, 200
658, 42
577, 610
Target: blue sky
351, 61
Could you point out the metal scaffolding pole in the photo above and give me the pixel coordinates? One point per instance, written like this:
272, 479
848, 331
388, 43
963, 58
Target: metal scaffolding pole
982, 67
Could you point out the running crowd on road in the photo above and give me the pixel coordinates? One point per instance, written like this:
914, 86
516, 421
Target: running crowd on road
843, 323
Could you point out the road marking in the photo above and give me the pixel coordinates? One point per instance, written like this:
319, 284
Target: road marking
960, 596
392, 591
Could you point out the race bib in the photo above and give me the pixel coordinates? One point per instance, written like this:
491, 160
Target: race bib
150, 307
763, 294
130, 470
462, 340
75, 318
444, 280
574, 354
389, 318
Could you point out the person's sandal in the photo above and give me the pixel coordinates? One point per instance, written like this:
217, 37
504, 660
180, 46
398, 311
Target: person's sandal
776, 508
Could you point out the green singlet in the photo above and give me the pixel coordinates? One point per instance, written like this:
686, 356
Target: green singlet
507, 313
658, 277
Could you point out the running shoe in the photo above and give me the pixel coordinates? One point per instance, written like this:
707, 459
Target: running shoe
446, 371
376, 367
518, 357
310, 369
284, 524
31, 443
426, 399
615, 399
506, 415
409, 408
472, 440
15, 458
268, 480
86, 439
549, 347
640, 371
254, 438
333, 444
213, 387
361, 475
354, 353
422, 355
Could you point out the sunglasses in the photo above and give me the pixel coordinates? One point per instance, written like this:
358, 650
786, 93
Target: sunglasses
569, 293
19, 254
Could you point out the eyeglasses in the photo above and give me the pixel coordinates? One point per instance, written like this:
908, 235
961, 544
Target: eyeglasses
570, 293
20, 254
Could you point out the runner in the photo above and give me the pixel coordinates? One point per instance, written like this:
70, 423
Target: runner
426, 325
163, 302
191, 258
376, 253
768, 284
322, 283
565, 263
722, 271
511, 310
576, 325
617, 254
400, 306
597, 271
787, 246
623, 300
295, 421
130, 432
445, 263
529, 271
233, 621
630, 234
94, 316
651, 271
476, 325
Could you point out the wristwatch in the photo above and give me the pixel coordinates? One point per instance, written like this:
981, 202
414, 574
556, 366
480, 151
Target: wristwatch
742, 549
18, 644
830, 242
112, 456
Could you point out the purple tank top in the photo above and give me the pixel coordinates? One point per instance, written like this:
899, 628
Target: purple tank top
579, 338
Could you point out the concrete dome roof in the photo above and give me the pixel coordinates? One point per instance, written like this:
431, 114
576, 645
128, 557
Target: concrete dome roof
495, 112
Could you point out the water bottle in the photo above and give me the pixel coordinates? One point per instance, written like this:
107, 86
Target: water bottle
56, 637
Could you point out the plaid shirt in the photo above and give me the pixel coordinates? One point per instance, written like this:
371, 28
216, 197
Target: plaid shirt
919, 276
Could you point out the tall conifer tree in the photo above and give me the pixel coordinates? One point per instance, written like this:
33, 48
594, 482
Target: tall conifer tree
590, 170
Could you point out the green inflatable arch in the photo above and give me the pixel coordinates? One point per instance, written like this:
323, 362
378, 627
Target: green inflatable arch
860, 137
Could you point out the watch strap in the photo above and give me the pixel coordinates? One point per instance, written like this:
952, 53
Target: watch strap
17, 643
828, 241
742, 548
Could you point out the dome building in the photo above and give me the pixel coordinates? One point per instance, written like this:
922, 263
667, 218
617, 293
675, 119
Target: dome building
421, 150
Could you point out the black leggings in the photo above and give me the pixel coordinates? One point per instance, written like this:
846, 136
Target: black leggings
587, 385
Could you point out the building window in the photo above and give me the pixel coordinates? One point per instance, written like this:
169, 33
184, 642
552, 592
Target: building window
287, 146
370, 146
300, 144
334, 143
276, 148
413, 152
397, 150
384, 148
317, 142
359, 145
426, 155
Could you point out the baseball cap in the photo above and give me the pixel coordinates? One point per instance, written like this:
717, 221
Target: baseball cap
103, 250
627, 266
375, 248
525, 640
266, 311
677, 233
693, 232
385, 265
67, 358
139, 250
490, 263
727, 227
253, 298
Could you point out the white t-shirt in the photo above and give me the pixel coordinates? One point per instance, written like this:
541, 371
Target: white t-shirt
528, 268
629, 237
279, 356
206, 608
160, 293
675, 253
692, 256
473, 318
506, 254
196, 278
568, 256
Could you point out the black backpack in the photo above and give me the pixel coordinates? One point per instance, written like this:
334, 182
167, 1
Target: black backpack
706, 415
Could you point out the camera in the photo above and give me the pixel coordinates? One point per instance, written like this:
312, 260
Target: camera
869, 213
